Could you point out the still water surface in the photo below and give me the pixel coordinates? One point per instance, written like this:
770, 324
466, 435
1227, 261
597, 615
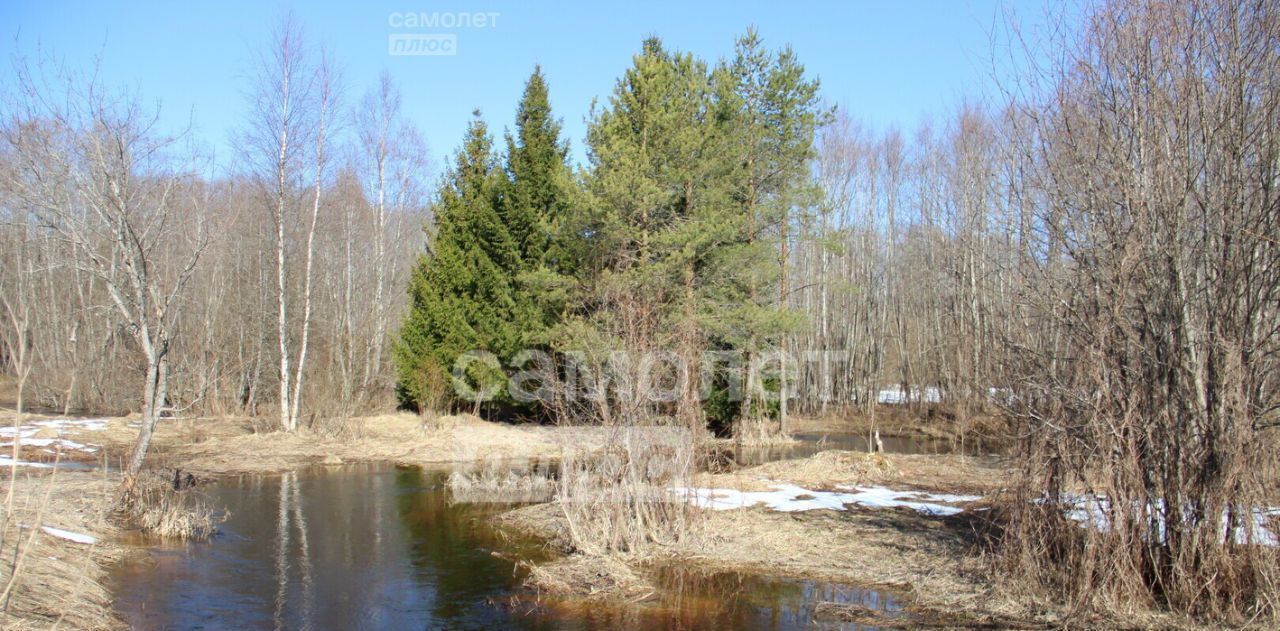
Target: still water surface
375, 546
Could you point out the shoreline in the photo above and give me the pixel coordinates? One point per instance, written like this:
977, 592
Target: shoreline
928, 559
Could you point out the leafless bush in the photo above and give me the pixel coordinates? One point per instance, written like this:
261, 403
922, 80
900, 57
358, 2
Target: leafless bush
1150, 393
618, 499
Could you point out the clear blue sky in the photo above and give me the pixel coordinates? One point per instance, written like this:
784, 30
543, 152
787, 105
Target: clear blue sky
888, 63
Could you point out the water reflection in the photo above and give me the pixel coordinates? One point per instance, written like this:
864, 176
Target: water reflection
383, 547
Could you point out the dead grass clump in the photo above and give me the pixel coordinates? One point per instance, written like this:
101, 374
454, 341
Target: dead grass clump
499, 484
847, 612
591, 577
825, 470
173, 510
617, 499
828, 468
759, 432
51, 582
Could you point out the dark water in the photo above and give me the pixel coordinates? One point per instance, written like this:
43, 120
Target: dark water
383, 547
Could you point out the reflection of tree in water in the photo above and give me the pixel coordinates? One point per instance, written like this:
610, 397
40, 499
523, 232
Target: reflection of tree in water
289, 518
367, 547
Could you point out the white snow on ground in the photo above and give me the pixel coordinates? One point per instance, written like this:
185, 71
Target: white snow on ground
897, 396
1094, 511
26, 434
52, 443
7, 461
68, 535
791, 498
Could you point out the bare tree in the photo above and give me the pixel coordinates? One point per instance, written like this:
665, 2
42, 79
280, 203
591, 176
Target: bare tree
285, 121
1157, 279
92, 170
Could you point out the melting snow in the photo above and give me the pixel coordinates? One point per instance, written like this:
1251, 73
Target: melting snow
26, 434
7, 461
1095, 511
791, 498
52, 443
68, 535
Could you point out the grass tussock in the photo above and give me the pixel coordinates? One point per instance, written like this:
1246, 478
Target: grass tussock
590, 577
760, 432
169, 509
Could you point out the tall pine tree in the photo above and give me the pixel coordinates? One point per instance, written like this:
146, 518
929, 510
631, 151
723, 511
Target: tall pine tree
461, 292
772, 112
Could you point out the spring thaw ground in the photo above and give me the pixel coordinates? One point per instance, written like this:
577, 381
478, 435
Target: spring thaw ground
47, 440
791, 498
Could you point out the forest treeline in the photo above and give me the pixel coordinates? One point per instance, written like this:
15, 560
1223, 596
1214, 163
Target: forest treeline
1090, 253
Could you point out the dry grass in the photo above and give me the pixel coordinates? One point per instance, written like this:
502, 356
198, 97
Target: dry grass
232, 446
158, 507
590, 577
759, 432
58, 583
938, 563
493, 482
825, 470
934, 562
210, 447
931, 421
616, 499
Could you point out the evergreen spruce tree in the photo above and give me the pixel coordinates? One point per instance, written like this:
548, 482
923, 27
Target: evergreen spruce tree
461, 293
537, 199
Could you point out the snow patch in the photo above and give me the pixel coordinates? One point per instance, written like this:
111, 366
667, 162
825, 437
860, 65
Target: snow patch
26, 434
68, 535
52, 443
790, 498
1094, 512
7, 461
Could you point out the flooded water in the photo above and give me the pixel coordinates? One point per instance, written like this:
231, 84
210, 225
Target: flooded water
383, 547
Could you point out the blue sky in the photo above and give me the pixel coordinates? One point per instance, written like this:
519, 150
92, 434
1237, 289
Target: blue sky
887, 63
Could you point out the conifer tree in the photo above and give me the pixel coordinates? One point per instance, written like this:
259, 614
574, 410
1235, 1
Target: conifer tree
537, 199
659, 210
772, 112
461, 293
